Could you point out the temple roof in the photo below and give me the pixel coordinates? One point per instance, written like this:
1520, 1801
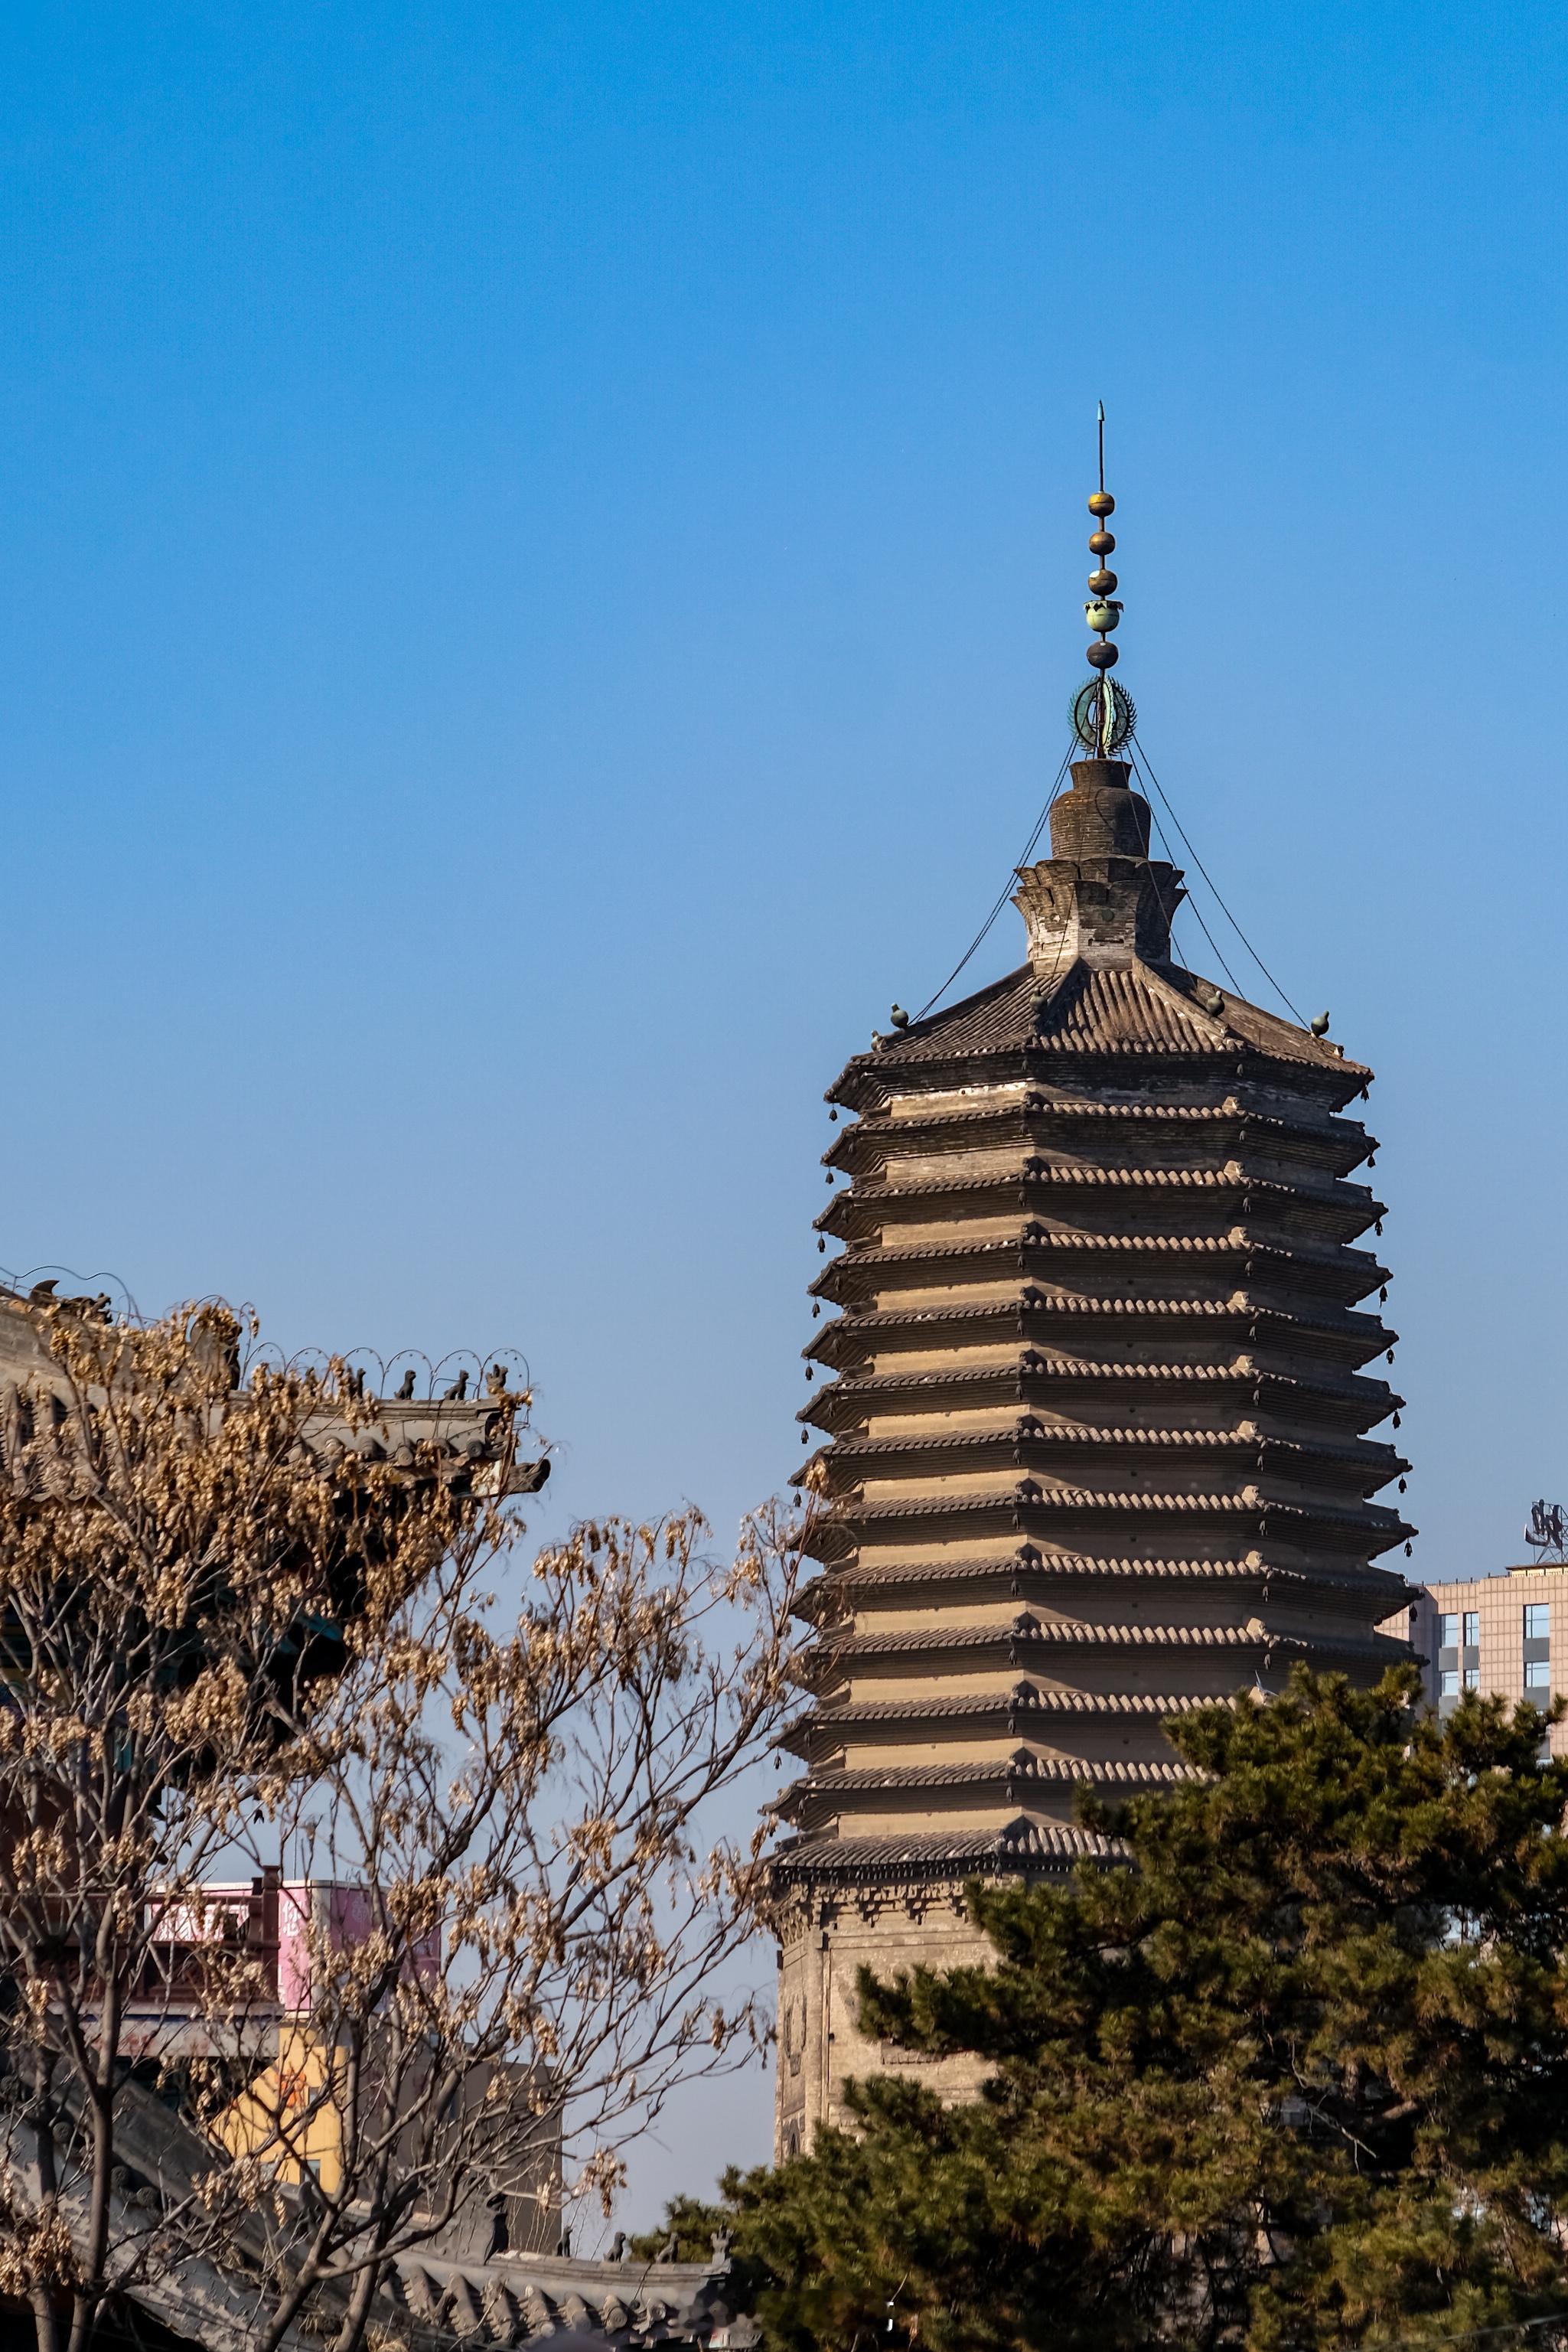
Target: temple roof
469, 1436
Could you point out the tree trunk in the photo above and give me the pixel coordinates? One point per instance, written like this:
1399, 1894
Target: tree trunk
352, 2334
88, 2300
44, 2321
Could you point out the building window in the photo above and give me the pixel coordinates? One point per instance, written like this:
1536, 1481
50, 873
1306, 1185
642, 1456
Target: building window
1473, 1678
1537, 1621
1448, 1632
1537, 1674
1472, 1629
1448, 1683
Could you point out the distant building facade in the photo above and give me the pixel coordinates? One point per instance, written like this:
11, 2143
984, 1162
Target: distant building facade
1506, 1635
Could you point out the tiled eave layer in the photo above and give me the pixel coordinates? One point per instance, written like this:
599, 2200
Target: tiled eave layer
1056, 1064
1016, 1708
871, 1082
817, 1796
940, 1857
1030, 1642
1040, 1316
1035, 1378
1032, 1444
1335, 1145
1049, 1770
1031, 1509
868, 1271
1015, 1771
1028, 1573
1341, 1211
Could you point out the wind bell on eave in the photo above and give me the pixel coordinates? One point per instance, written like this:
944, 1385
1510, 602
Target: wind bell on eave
1103, 715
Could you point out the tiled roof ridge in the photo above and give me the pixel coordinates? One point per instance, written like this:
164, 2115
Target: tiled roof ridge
983, 1000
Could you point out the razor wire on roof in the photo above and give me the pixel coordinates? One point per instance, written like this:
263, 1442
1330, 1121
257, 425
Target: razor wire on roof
464, 1375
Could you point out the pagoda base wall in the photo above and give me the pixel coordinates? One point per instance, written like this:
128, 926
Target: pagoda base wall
825, 1938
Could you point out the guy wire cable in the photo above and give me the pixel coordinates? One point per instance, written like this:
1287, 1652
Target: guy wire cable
1141, 758
979, 937
1198, 910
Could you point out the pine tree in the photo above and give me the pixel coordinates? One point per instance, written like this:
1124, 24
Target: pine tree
1296, 2076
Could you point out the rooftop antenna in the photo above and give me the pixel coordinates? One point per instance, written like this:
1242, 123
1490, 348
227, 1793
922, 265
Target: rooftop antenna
1103, 715
1547, 1532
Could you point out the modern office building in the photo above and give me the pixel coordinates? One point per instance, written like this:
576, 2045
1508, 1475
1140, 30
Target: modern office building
1506, 1633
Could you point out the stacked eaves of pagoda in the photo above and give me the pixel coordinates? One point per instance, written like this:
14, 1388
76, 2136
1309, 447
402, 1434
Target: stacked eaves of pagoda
1100, 1377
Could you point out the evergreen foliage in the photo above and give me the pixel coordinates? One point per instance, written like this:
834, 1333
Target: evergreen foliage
1298, 2077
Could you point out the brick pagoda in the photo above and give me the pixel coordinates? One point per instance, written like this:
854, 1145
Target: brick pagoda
1099, 1405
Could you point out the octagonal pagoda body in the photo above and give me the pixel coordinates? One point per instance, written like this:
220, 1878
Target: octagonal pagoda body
1099, 1403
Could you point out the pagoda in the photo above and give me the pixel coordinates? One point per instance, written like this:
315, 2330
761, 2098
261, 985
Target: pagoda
1099, 1402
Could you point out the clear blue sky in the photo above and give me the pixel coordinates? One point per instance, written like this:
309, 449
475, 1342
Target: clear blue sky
542, 564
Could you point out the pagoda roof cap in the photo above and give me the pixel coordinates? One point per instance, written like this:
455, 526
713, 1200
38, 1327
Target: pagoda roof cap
1133, 1008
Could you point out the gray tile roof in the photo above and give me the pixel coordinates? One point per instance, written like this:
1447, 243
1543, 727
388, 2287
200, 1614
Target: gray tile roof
942, 1854
1133, 1008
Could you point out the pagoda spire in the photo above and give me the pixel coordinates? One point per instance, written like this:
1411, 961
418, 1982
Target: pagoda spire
1099, 898
1103, 614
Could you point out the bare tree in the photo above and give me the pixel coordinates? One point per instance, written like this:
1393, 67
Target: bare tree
547, 1918
237, 1605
